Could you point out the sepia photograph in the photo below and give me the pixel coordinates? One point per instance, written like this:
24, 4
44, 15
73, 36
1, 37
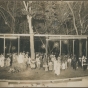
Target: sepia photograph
43, 43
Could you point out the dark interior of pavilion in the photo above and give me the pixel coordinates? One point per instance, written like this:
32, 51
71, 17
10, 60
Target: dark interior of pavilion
11, 46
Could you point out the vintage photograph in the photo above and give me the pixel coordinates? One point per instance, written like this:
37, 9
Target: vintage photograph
43, 43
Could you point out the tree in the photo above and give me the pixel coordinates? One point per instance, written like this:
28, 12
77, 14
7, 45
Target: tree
47, 17
8, 11
29, 18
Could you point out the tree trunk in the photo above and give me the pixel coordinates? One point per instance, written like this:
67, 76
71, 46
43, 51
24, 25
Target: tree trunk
73, 18
29, 18
81, 23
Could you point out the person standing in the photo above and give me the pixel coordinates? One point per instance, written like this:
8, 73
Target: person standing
50, 64
20, 58
46, 66
8, 61
38, 62
80, 62
63, 65
32, 64
74, 62
55, 64
57, 70
29, 61
84, 64
2, 60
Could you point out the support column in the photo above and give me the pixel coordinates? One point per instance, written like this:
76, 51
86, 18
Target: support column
73, 46
18, 44
46, 47
80, 47
60, 47
86, 47
4, 45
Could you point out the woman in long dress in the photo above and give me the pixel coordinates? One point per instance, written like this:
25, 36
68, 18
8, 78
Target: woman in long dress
8, 62
55, 64
46, 67
38, 62
32, 63
63, 66
29, 61
57, 70
20, 58
50, 64
2, 61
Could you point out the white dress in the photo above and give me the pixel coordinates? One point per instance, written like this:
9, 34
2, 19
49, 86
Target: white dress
57, 71
55, 64
63, 66
29, 60
2, 61
20, 59
8, 61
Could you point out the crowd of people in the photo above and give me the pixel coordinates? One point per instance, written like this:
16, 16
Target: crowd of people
23, 61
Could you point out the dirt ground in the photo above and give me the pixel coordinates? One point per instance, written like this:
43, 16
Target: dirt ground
40, 74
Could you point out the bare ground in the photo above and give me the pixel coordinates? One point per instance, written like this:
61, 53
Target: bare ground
40, 74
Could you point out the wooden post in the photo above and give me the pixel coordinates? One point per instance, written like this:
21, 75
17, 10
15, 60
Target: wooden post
86, 47
18, 44
80, 48
46, 48
4, 45
73, 46
60, 47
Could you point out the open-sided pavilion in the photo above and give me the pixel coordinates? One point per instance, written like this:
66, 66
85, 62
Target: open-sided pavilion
49, 37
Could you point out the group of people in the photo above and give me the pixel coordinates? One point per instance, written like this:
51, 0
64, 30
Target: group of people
4, 61
51, 63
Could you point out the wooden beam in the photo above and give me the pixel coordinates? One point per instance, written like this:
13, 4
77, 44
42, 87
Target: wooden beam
47, 35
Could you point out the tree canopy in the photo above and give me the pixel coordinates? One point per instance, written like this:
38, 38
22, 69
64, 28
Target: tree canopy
48, 17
